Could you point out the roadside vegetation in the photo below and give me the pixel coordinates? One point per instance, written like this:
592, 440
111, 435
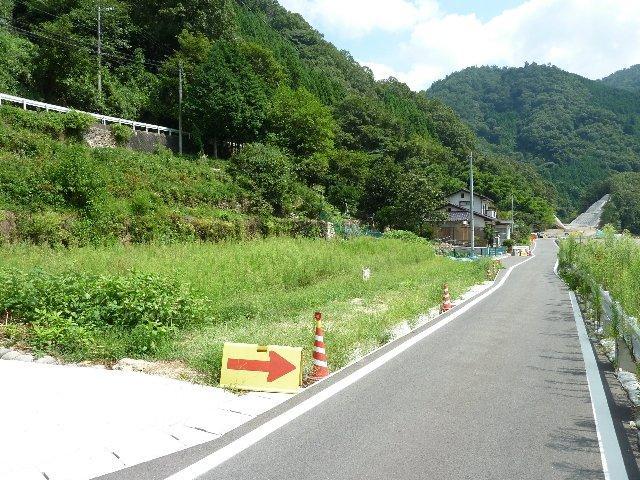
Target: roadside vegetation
183, 301
323, 137
612, 263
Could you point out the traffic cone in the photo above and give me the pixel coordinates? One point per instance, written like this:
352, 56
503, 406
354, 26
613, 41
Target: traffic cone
320, 368
446, 300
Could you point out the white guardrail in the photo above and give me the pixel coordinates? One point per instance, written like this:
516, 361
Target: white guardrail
104, 119
628, 326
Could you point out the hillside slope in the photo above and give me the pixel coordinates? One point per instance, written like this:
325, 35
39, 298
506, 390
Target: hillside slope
575, 131
321, 131
626, 79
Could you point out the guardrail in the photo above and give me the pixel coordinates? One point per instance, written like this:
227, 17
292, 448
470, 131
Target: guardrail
104, 119
627, 327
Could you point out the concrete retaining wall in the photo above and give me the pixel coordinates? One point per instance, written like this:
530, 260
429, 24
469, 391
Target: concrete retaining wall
100, 136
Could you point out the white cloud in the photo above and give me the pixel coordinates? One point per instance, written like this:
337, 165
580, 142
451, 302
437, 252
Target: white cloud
359, 17
589, 37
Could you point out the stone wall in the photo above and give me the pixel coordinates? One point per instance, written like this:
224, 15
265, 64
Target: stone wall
100, 135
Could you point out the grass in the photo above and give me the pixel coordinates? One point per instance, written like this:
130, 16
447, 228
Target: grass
613, 263
266, 291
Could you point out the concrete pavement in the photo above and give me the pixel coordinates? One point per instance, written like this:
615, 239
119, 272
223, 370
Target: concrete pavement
62, 422
499, 393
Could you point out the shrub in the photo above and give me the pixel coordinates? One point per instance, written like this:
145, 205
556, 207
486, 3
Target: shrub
76, 124
124, 301
52, 332
47, 227
121, 133
509, 244
405, 235
77, 177
266, 170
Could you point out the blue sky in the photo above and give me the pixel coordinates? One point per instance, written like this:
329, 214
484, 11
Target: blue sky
485, 10
421, 41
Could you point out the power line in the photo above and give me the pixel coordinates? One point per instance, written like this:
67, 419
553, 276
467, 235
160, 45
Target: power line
88, 25
119, 57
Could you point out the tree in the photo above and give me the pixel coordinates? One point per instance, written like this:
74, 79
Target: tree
267, 171
16, 62
417, 203
300, 123
227, 99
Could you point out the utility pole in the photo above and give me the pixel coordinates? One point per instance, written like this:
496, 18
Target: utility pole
180, 108
100, 48
472, 219
99, 53
513, 222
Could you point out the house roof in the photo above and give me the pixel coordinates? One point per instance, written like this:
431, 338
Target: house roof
469, 192
466, 212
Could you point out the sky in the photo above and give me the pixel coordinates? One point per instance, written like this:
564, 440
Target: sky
421, 41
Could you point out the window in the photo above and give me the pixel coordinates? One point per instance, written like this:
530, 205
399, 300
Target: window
462, 195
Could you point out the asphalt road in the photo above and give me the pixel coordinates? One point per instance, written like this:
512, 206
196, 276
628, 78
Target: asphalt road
499, 393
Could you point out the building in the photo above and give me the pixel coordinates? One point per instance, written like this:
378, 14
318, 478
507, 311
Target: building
456, 228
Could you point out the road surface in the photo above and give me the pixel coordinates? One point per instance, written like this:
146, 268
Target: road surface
500, 393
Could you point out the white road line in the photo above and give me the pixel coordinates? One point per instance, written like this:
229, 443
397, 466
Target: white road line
612, 461
227, 452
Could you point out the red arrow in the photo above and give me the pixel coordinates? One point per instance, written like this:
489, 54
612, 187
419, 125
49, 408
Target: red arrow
276, 366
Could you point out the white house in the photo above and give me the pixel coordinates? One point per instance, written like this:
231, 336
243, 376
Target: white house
456, 228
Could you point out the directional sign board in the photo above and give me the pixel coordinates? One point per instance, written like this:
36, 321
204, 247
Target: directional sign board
267, 369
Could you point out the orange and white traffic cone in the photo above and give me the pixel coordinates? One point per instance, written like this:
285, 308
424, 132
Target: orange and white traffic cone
320, 368
446, 300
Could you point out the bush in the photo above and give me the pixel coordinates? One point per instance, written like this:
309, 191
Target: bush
78, 178
509, 243
79, 315
47, 227
66, 308
405, 235
76, 124
51, 332
267, 171
121, 133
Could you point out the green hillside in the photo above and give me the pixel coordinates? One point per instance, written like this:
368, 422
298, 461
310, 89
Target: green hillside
623, 210
322, 138
627, 79
575, 131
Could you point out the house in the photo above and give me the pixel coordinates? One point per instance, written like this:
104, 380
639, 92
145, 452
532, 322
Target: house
456, 228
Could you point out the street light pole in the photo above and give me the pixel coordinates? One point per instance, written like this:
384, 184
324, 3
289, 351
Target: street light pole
472, 219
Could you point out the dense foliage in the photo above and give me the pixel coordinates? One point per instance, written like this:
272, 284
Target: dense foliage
183, 301
612, 263
573, 130
627, 79
258, 75
623, 210
92, 316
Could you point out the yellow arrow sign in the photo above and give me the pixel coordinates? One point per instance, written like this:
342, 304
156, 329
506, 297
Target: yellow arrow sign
267, 369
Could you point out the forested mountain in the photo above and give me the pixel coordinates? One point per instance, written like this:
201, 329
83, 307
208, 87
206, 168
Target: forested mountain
627, 79
323, 129
623, 209
575, 131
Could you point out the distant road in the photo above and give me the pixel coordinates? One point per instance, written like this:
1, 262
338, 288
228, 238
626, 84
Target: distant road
499, 393
590, 218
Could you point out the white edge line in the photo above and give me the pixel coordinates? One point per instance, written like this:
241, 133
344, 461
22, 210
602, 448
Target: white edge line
599, 404
227, 452
612, 461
